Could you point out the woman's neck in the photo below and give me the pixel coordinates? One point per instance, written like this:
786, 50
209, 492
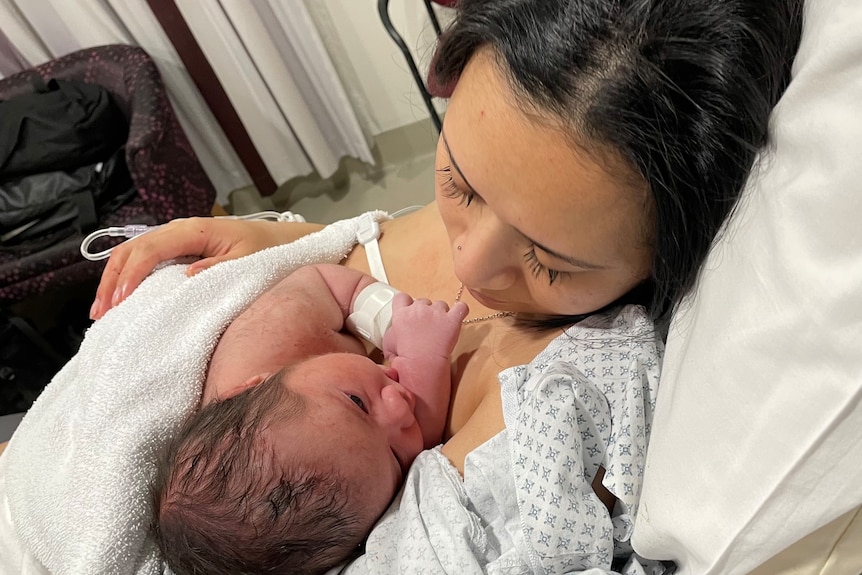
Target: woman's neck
417, 237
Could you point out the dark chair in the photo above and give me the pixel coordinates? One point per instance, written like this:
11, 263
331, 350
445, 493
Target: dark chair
383, 9
165, 171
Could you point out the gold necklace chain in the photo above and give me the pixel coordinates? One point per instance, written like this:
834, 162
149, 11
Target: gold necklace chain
483, 318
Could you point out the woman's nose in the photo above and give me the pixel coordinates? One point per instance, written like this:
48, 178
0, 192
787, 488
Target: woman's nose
398, 407
483, 255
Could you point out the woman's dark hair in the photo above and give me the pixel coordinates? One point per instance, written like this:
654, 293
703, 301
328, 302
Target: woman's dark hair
680, 89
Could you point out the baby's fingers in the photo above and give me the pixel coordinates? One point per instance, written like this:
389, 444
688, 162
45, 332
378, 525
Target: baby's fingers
459, 311
401, 300
440, 306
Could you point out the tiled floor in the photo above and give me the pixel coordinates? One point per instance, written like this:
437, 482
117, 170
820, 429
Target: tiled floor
403, 176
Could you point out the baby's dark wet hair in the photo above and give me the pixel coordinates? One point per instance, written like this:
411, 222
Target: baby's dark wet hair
680, 90
225, 505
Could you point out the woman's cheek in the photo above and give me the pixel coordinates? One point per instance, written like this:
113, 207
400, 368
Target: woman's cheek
574, 295
452, 219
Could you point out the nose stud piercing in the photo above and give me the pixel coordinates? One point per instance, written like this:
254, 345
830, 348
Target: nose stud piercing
459, 248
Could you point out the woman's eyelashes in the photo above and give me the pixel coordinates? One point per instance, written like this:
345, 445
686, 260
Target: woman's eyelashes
451, 189
358, 401
540, 269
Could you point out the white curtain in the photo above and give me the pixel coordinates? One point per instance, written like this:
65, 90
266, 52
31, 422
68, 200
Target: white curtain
267, 55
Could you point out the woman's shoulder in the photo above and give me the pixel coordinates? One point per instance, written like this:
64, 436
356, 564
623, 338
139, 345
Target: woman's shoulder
601, 350
623, 329
629, 320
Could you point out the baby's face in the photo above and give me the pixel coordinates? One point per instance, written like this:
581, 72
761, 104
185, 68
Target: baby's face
358, 418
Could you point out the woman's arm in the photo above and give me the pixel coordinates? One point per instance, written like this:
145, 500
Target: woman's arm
3, 446
214, 240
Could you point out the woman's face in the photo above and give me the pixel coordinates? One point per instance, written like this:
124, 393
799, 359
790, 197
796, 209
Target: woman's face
536, 226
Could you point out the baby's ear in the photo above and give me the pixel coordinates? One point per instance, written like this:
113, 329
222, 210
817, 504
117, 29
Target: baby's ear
226, 391
252, 381
237, 389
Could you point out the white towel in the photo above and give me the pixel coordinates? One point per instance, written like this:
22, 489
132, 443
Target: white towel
74, 489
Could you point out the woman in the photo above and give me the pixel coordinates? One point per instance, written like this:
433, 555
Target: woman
591, 151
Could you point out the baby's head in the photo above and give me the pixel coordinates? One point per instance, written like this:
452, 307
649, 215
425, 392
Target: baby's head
289, 475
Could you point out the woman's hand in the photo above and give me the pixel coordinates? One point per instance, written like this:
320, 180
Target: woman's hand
214, 240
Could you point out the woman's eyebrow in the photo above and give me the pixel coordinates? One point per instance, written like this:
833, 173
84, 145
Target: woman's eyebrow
568, 259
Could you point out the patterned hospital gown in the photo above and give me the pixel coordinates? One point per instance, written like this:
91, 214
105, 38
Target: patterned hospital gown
525, 503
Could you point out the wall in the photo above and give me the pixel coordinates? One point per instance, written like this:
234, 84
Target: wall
372, 68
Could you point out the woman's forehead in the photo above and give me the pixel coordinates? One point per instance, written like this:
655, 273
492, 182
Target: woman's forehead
528, 168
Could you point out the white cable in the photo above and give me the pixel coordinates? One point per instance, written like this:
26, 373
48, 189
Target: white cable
406, 210
129, 231
134, 230
269, 215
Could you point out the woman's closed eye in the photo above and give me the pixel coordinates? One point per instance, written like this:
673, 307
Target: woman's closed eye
358, 401
539, 269
451, 189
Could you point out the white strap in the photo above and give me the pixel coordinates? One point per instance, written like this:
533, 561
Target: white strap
369, 231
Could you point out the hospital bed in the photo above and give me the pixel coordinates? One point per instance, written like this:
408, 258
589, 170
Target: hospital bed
756, 450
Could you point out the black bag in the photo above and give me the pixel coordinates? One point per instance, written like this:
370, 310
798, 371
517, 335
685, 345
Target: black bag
41, 209
62, 125
62, 164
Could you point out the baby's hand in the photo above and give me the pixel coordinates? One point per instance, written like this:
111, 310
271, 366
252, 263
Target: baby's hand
422, 328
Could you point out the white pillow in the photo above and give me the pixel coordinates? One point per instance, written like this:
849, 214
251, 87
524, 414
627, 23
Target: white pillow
758, 433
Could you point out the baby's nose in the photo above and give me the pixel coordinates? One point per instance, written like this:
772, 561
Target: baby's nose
398, 403
408, 395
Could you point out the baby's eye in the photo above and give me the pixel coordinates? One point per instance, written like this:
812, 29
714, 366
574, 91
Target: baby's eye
358, 401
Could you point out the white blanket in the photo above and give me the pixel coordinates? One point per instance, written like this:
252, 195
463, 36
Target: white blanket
74, 480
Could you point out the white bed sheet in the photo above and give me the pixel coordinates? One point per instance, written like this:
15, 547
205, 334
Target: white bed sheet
758, 432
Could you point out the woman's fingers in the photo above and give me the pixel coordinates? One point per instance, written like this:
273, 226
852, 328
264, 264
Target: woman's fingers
214, 239
133, 260
108, 283
197, 267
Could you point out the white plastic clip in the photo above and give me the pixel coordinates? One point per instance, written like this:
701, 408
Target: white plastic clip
367, 234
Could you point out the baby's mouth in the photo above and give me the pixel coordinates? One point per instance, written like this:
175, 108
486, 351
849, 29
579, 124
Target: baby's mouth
390, 372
